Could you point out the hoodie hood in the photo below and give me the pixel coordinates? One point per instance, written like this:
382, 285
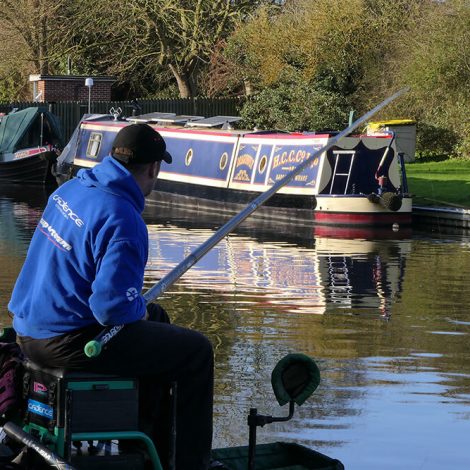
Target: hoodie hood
110, 176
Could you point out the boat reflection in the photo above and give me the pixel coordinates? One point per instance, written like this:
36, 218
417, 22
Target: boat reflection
321, 275
293, 268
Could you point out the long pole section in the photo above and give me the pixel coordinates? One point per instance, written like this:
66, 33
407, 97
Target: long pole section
93, 347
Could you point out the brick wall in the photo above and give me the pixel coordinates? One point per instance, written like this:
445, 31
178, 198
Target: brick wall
70, 88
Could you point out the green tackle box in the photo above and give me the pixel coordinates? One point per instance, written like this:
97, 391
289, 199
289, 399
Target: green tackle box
79, 401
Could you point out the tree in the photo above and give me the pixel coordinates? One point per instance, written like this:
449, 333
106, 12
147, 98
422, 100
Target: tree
156, 37
34, 26
29, 30
305, 60
435, 62
345, 49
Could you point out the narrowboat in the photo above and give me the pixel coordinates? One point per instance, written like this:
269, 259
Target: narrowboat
360, 181
30, 141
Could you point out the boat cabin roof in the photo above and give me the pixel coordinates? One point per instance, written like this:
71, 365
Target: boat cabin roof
218, 125
186, 120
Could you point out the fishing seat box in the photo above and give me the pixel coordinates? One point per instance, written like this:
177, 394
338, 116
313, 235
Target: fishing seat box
79, 402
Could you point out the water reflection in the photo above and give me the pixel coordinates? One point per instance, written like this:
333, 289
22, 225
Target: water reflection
370, 312
386, 319
20, 209
260, 298
330, 275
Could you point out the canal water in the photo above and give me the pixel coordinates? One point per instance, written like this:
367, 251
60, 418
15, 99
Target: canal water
386, 319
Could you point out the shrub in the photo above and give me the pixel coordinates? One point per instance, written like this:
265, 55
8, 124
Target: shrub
295, 107
434, 143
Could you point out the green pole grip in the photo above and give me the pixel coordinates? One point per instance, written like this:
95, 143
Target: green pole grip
93, 348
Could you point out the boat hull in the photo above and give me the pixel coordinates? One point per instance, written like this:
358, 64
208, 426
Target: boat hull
326, 210
358, 210
35, 169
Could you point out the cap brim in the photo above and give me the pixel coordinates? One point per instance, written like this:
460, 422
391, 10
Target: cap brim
167, 157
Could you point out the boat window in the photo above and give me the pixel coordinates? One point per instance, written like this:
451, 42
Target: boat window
189, 157
262, 164
94, 144
223, 161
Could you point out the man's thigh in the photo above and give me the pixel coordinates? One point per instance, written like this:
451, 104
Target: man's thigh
152, 348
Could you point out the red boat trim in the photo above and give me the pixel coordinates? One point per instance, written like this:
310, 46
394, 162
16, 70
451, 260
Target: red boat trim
358, 218
346, 232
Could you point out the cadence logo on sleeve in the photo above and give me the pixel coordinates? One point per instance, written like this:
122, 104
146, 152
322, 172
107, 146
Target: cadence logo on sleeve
67, 211
53, 236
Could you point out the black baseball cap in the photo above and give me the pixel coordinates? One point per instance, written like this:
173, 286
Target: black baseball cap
139, 143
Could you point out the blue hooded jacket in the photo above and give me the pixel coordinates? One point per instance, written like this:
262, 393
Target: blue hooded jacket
86, 260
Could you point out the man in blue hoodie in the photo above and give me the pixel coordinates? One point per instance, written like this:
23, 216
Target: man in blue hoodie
85, 270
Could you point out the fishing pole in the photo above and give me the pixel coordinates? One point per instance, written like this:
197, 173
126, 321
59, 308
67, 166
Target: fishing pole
18, 434
93, 347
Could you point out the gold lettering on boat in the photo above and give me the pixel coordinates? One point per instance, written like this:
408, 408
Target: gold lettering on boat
294, 156
301, 178
22, 154
242, 175
246, 160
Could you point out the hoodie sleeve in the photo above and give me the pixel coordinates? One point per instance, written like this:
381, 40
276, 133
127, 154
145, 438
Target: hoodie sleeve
116, 291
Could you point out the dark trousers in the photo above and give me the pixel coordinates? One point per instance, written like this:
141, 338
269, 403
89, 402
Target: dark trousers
158, 353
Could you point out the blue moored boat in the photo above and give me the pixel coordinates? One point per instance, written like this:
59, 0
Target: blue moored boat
361, 181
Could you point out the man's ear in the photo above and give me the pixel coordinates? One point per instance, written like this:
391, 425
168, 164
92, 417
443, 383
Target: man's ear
154, 168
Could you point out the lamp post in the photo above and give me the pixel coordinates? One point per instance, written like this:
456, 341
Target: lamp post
89, 84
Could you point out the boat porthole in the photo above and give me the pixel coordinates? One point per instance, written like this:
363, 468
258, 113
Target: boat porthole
223, 161
262, 164
94, 144
189, 157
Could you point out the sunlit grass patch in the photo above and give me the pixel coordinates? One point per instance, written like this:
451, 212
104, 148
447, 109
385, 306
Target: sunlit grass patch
440, 183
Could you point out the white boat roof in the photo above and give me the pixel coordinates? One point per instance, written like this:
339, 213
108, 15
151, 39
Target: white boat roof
180, 119
214, 121
150, 117
186, 119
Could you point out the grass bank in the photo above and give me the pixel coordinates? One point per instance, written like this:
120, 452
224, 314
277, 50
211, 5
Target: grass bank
440, 183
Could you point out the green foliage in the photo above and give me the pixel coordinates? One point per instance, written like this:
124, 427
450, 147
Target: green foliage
361, 50
434, 143
170, 92
296, 107
319, 41
12, 88
335, 51
435, 62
